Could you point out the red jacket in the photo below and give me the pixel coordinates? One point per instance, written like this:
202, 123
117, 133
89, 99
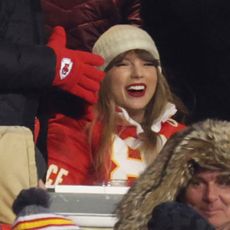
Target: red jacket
70, 159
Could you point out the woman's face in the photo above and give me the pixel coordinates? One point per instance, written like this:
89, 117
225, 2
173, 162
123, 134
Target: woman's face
133, 84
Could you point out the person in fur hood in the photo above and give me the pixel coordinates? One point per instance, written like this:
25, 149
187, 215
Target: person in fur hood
193, 168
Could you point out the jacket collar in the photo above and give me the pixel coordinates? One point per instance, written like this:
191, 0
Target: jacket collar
168, 112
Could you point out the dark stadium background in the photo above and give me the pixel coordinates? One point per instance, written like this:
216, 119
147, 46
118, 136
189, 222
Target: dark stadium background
193, 37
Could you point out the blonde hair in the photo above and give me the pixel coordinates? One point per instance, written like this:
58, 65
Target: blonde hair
106, 114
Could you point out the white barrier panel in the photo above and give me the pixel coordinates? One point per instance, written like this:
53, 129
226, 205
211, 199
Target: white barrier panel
89, 206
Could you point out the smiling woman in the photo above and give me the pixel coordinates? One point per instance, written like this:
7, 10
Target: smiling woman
133, 96
133, 117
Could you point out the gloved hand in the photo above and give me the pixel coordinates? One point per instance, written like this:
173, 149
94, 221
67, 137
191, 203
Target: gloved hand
76, 71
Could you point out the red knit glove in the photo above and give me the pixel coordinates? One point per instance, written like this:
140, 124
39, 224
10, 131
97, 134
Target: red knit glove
76, 71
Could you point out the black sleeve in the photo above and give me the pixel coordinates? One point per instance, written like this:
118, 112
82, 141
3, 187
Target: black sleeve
26, 67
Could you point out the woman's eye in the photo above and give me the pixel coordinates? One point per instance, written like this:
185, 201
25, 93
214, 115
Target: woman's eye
121, 64
149, 64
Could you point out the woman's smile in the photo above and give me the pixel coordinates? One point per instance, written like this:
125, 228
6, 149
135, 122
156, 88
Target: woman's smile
136, 89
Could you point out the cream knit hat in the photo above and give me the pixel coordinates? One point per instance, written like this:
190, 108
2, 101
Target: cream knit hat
121, 38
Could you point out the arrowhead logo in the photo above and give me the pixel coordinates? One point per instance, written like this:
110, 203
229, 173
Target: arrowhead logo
66, 67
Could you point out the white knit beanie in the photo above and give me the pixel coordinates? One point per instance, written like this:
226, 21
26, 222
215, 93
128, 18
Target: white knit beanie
121, 38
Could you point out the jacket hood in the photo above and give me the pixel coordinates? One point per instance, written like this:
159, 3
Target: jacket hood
205, 143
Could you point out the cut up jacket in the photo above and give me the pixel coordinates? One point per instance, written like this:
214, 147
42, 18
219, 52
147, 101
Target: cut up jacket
27, 67
71, 152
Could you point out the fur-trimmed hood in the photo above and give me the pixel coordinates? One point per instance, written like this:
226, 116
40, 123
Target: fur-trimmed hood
206, 143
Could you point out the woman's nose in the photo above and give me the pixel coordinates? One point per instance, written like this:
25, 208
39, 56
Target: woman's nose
137, 71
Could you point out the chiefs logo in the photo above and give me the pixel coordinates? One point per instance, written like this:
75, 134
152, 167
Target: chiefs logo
66, 67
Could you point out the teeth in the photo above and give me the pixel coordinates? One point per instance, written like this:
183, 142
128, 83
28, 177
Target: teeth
136, 87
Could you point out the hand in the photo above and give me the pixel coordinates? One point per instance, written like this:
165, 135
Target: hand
76, 71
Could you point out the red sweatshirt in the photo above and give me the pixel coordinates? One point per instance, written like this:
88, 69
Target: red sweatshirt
69, 150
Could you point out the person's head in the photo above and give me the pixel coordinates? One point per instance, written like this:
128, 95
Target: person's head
134, 78
193, 167
31, 208
208, 192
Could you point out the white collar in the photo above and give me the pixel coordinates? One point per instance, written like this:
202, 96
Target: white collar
169, 111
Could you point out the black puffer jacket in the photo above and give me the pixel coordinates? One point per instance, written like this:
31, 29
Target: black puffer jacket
26, 67
85, 20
